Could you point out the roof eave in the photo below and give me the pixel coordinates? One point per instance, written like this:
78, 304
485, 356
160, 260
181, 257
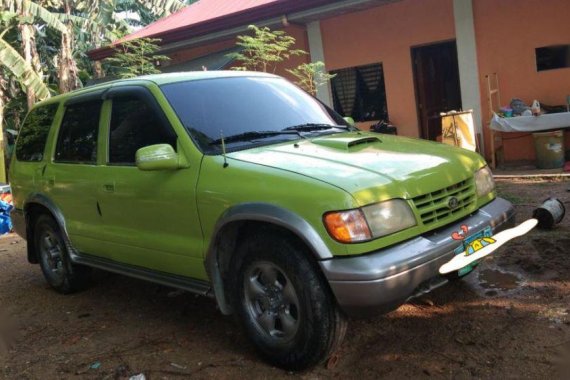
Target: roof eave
236, 19
241, 19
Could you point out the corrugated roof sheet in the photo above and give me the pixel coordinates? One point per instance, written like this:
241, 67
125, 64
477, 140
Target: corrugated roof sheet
196, 13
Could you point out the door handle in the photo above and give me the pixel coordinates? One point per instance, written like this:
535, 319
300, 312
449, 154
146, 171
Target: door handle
109, 187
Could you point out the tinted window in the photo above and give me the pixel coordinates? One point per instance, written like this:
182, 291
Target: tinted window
33, 136
552, 57
77, 141
135, 125
232, 106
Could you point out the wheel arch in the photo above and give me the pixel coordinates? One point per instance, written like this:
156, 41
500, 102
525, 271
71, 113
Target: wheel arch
35, 205
236, 222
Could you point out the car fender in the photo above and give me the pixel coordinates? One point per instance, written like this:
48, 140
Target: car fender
259, 212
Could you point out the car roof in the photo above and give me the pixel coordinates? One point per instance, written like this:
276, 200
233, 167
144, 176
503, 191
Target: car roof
159, 79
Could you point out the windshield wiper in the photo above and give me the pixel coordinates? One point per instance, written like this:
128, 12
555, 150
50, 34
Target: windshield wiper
246, 136
308, 127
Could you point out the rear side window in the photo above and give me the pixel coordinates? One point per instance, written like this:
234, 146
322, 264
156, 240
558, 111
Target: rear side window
134, 124
32, 140
77, 140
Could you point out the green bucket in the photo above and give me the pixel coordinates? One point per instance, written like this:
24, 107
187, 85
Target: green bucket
549, 148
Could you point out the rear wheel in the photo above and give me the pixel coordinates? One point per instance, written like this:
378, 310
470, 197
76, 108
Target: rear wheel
284, 304
53, 256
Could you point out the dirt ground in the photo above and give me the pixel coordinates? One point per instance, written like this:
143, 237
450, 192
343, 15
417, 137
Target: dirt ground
509, 319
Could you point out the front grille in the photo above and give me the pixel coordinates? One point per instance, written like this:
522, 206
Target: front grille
433, 207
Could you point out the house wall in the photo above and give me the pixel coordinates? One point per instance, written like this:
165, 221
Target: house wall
185, 55
386, 34
298, 32
507, 33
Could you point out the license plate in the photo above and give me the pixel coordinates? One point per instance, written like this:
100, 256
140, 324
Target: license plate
481, 244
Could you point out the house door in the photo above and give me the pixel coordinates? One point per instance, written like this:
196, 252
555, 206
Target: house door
436, 79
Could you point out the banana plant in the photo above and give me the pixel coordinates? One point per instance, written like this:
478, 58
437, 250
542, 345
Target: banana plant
22, 70
73, 25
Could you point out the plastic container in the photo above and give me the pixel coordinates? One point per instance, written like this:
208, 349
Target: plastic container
549, 148
535, 108
507, 112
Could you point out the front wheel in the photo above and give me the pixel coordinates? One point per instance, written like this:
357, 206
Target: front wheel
284, 304
52, 253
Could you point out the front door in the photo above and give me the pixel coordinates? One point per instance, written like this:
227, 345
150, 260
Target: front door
436, 79
148, 218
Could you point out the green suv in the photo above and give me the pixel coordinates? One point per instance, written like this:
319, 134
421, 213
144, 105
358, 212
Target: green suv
242, 187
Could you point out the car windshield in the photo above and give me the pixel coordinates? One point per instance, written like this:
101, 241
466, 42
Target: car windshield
248, 112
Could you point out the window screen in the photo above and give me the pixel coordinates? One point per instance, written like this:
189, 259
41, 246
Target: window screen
135, 125
32, 140
77, 141
552, 57
359, 92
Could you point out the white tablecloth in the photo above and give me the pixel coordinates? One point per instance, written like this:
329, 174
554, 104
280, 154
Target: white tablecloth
531, 123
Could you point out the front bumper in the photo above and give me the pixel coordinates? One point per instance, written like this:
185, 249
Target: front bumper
380, 281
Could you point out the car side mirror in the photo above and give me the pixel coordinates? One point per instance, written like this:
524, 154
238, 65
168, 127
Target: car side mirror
349, 121
157, 157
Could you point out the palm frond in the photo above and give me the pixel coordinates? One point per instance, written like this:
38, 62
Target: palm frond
36, 10
23, 71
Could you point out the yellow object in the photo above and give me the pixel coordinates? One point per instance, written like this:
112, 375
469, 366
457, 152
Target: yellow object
457, 129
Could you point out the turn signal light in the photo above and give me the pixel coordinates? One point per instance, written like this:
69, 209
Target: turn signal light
347, 226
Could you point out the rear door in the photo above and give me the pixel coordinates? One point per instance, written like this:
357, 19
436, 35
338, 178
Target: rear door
149, 218
70, 180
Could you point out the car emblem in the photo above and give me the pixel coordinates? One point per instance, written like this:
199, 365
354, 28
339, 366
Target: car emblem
452, 203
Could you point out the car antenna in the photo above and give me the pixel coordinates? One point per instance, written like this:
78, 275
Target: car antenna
224, 149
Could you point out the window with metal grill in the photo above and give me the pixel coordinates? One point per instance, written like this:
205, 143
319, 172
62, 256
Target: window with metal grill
359, 92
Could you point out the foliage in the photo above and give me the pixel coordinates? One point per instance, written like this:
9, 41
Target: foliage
43, 44
264, 49
136, 57
310, 76
22, 70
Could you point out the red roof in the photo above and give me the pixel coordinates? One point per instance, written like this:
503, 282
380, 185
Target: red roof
208, 16
200, 11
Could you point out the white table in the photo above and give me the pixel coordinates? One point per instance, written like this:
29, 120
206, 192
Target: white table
531, 123
526, 124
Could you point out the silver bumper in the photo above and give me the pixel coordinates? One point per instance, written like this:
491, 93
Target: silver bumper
380, 281
18, 222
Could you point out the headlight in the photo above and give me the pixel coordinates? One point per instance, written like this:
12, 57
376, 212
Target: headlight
484, 181
369, 222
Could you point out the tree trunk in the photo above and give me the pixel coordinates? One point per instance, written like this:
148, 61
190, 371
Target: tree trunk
67, 70
27, 33
30, 52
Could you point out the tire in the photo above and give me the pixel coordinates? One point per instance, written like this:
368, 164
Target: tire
53, 256
284, 304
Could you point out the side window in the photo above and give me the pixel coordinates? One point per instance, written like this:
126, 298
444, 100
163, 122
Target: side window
134, 124
77, 140
33, 135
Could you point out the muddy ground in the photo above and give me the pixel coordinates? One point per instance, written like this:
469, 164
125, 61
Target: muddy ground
509, 319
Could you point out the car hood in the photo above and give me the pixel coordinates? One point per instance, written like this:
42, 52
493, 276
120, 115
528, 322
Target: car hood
372, 167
